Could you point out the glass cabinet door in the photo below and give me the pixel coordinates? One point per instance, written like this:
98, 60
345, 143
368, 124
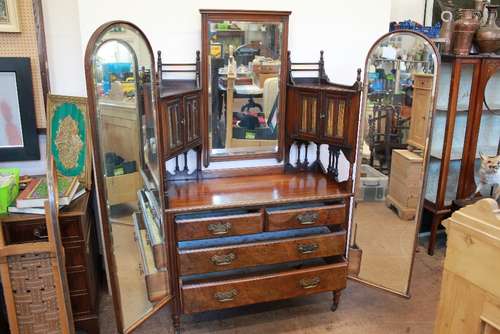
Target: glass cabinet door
488, 139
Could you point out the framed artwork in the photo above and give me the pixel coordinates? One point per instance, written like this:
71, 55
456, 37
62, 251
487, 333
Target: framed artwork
9, 16
18, 135
69, 136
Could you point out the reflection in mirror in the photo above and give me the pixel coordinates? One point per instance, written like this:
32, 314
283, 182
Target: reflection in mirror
399, 93
244, 65
127, 167
488, 145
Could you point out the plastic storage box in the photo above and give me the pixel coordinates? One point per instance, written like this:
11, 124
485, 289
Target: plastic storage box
372, 185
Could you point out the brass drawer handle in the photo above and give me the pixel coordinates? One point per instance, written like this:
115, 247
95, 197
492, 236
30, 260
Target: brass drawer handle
219, 228
223, 260
308, 218
37, 232
310, 283
307, 248
226, 296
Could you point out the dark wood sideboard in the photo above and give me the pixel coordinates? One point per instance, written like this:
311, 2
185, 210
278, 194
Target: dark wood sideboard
79, 237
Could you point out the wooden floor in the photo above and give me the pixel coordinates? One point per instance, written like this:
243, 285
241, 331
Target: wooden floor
362, 310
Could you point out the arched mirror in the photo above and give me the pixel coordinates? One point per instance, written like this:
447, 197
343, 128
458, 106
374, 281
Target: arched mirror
399, 92
122, 105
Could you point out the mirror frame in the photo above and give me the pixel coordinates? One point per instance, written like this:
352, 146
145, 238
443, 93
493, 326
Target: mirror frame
106, 237
426, 155
248, 16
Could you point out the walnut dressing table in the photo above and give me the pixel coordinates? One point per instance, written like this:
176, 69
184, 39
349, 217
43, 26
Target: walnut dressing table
230, 236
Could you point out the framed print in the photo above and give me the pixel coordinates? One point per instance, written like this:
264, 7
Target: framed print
9, 16
69, 137
18, 135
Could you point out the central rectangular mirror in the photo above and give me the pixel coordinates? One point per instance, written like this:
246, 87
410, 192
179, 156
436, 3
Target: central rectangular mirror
244, 67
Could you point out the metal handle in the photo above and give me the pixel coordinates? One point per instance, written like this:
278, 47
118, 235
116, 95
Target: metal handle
308, 218
322, 116
310, 283
37, 232
219, 228
223, 260
226, 296
307, 248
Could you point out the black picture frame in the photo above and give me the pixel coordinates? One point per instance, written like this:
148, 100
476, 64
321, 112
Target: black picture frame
30, 150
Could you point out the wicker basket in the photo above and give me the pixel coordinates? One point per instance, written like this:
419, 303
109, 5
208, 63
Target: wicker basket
35, 296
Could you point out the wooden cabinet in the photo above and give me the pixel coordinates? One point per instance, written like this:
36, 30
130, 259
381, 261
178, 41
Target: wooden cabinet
192, 115
322, 114
79, 236
420, 109
465, 123
470, 293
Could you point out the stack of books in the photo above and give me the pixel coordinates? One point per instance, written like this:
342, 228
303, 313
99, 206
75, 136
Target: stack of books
32, 198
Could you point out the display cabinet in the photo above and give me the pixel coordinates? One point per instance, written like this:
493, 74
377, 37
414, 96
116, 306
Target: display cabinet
466, 124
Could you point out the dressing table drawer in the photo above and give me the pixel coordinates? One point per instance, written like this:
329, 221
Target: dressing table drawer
306, 217
218, 226
205, 260
263, 288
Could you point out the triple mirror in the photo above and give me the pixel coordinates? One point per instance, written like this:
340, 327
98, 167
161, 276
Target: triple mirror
244, 61
399, 99
122, 104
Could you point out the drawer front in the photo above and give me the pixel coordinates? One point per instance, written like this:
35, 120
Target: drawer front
261, 253
213, 227
264, 288
35, 230
422, 82
306, 217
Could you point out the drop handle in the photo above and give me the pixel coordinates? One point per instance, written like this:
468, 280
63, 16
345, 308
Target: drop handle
308, 218
226, 296
310, 283
322, 116
219, 228
307, 248
223, 260
37, 232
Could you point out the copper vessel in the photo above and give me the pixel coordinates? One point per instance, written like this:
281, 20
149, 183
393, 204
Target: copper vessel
446, 31
464, 31
488, 36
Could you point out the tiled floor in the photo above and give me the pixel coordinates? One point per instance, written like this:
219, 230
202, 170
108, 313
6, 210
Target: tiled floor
362, 310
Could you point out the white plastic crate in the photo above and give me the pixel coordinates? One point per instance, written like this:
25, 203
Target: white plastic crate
372, 185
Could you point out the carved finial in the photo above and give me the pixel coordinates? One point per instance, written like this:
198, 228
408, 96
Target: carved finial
321, 55
289, 56
358, 77
197, 55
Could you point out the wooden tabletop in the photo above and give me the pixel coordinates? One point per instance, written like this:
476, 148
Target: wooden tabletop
252, 190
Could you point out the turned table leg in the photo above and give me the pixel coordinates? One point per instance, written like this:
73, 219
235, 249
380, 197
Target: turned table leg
336, 300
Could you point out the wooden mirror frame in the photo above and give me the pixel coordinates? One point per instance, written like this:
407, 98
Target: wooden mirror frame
250, 16
426, 156
99, 176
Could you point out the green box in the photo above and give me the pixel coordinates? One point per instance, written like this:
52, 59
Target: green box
9, 191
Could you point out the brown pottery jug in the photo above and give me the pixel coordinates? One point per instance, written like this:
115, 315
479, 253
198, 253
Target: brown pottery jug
488, 36
465, 28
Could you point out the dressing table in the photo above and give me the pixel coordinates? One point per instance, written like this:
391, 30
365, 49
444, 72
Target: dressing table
227, 237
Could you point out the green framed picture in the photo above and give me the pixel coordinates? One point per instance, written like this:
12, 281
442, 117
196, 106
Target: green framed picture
69, 136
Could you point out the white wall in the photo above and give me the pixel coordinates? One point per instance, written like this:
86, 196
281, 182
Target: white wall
402, 10
344, 29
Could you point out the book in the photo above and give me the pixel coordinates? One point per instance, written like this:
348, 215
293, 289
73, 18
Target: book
41, 211
36, 193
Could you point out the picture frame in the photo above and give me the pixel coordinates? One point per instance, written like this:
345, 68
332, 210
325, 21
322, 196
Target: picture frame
68, 134
18, 134
9, 16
